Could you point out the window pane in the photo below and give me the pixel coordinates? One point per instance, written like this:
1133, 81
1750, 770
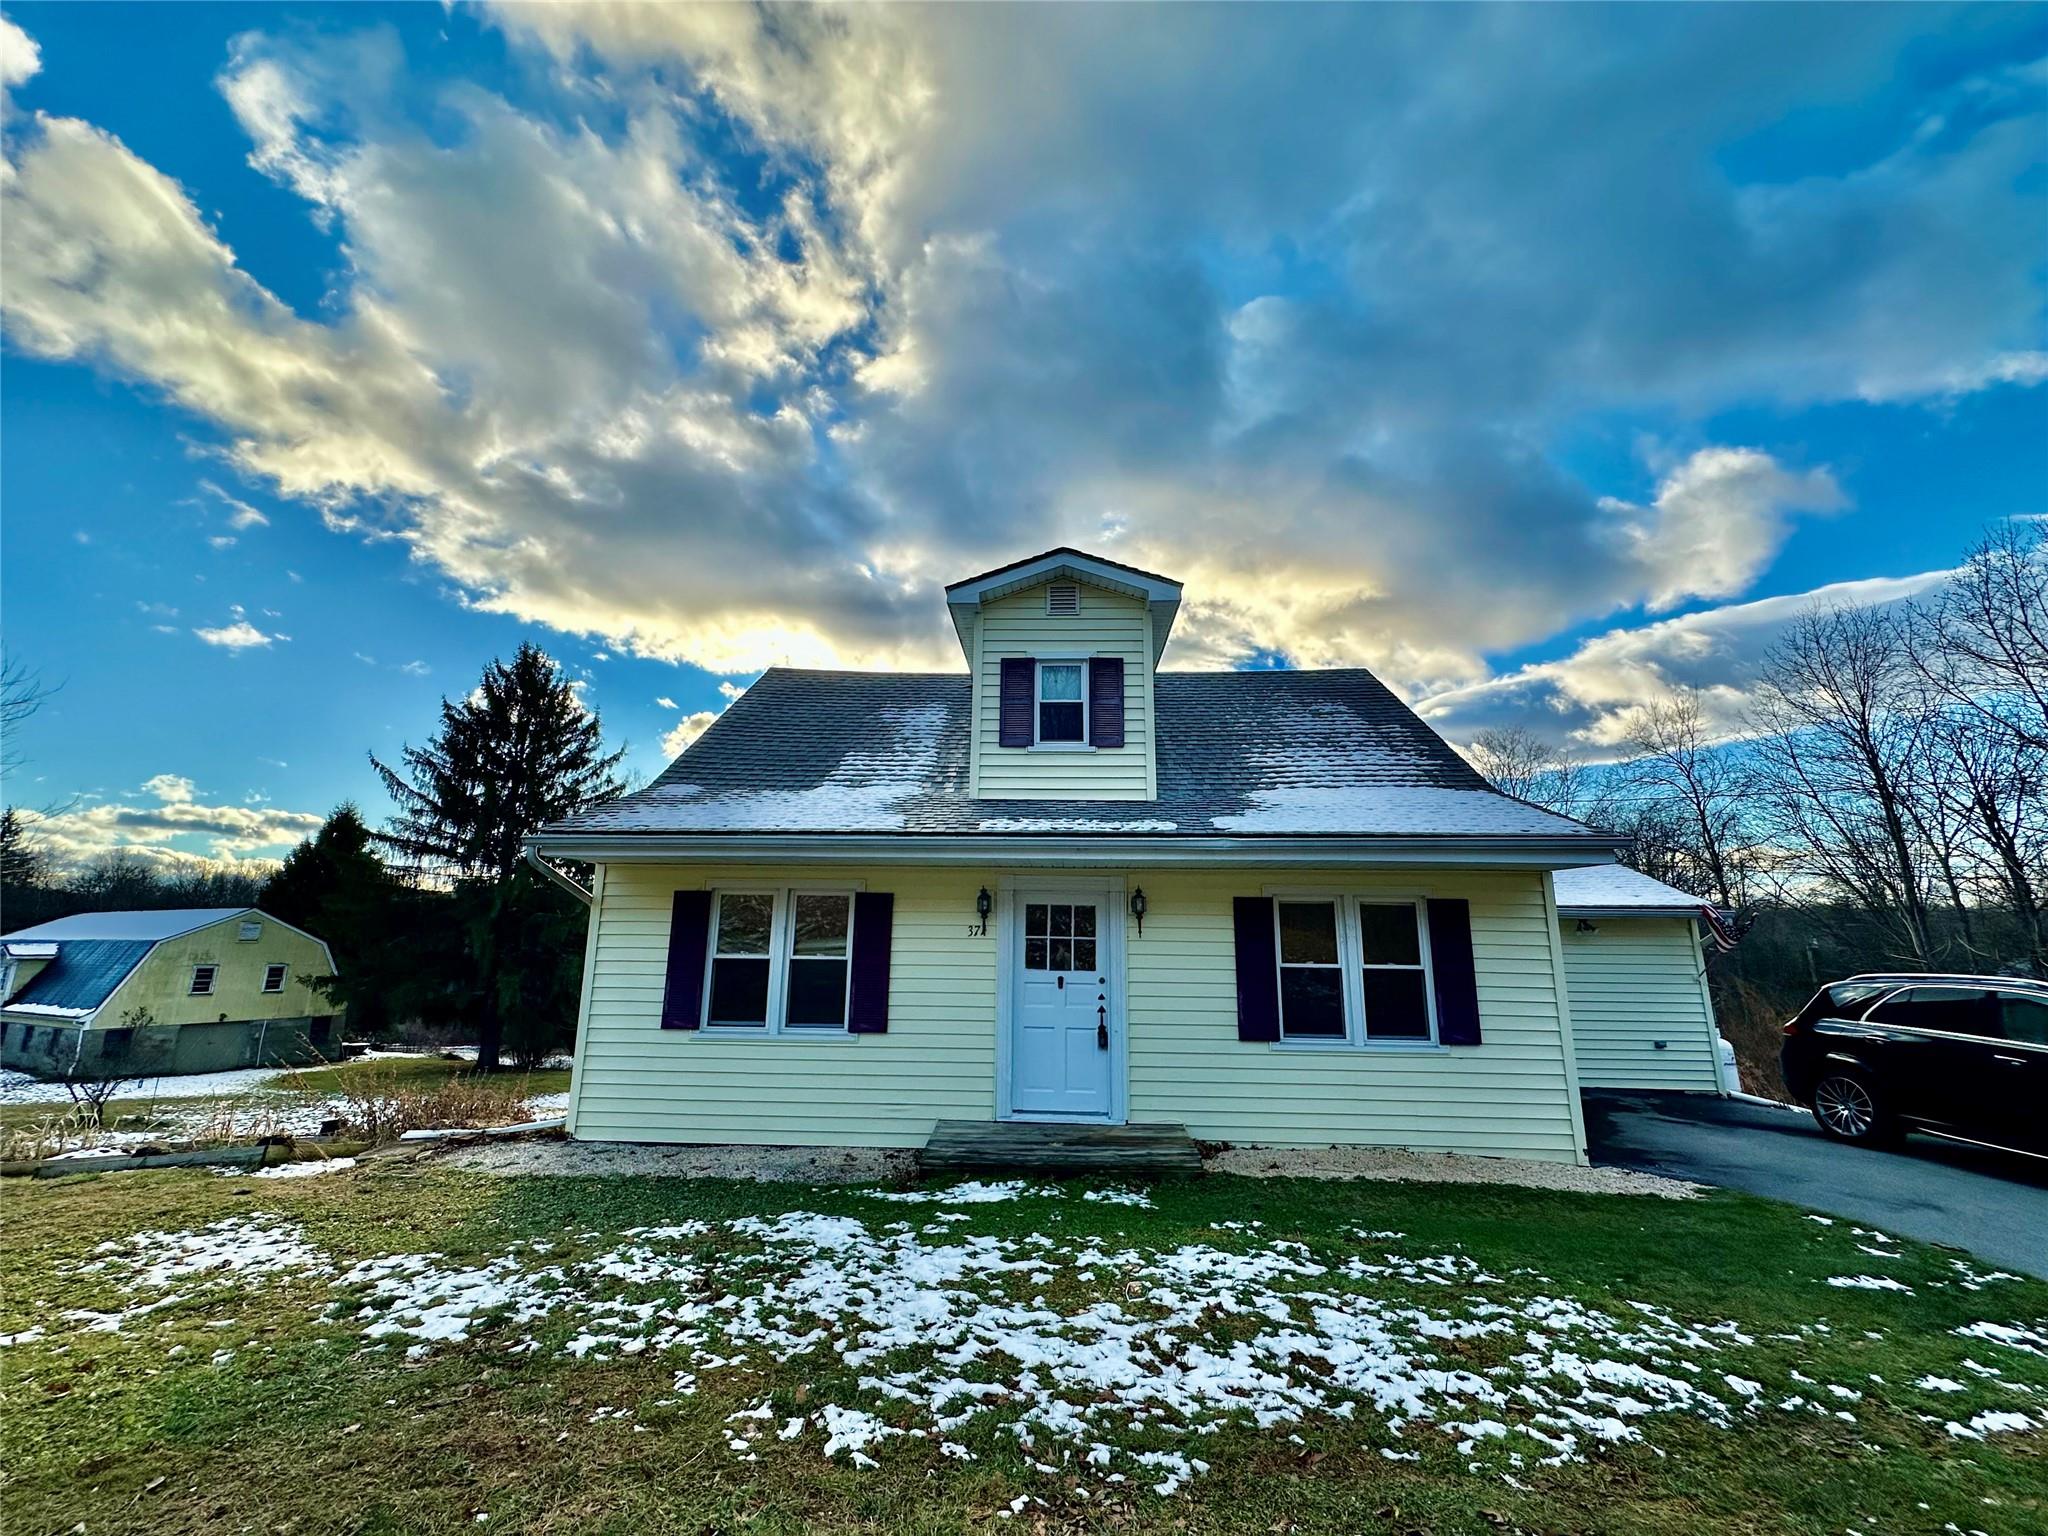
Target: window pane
743, 923
1308, 933
739, 991
1389, 935
1062, 954
817, 992
1311, 1004
1084, 954
1034, 918
1034, 954
1062, 922
1059, 722
2026, 1020
1395, 1006
1084, 922
1950, 1010
821, 924
1060, 682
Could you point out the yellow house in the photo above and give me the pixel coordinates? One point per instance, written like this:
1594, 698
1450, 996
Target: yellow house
146, 994
1069, 887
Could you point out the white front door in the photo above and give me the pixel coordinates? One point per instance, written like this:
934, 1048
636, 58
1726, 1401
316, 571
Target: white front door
1064, 1037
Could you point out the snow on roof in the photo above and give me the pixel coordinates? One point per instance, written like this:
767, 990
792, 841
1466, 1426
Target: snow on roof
153, 926
1613, 887
1263, 753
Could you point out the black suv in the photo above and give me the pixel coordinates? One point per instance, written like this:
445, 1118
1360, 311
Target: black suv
1965, 1057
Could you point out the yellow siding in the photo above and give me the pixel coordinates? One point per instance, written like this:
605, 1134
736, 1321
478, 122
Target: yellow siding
1634, 982
1109, 624
1512, 1096
636, 1081
162, 983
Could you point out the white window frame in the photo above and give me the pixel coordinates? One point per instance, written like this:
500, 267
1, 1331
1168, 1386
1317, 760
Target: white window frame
781, 943
1351, 958
284, 974
193, 989
1039, 701
1341, 965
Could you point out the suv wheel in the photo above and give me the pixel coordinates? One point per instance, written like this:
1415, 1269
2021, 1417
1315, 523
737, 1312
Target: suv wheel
1847, 1107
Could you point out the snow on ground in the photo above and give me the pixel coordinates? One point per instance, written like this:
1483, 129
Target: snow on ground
306, 1170
902, 1334
20, 1088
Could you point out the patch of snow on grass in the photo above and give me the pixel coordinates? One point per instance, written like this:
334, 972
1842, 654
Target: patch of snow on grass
973, 1192
310, 1169
1992, 1422
1867, 1283
2032, 1341
1136, 1197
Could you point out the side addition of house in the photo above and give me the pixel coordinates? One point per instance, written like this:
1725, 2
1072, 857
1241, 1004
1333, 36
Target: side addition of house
1065, 885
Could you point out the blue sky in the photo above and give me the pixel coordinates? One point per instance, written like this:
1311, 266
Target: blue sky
1541, 359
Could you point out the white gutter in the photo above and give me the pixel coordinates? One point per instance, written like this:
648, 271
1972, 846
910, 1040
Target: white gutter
533, 857
1069, 850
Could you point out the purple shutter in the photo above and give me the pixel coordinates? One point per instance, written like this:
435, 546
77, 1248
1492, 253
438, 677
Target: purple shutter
689, 940
867, 1010
1258, 975
1105, 701
1020, 687
1456, 980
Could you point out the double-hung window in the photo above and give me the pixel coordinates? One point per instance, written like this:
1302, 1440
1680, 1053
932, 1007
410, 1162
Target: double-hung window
1354, 970
202, 980
273, 978
1062, 703
780, 961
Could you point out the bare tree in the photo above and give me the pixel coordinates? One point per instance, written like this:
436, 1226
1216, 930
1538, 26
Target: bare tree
1984, 641
22, 693
1838, 756
1516, 761
1675, 759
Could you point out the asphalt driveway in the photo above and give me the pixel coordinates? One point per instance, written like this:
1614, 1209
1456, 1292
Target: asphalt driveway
1992, 1204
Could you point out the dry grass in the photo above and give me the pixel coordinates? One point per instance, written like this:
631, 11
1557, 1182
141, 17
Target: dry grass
1754, 1023
379, 1106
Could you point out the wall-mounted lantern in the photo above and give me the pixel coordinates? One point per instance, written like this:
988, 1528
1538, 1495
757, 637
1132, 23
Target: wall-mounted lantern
1582, 926
1138, 909
983, 905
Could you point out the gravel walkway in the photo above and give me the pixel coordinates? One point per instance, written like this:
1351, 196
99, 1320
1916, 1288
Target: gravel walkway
1439, 1168
769, 1165
864, 1165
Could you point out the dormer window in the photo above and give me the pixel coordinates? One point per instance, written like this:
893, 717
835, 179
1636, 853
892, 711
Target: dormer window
1063, 599
1062, 703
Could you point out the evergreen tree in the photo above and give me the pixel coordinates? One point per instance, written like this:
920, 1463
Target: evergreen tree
335, 887
517, 753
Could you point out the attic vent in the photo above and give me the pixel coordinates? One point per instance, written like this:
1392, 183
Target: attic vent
1063, 597
249, 933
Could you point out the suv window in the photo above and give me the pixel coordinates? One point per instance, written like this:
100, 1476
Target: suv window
1949, 1010
2026, 1018
1849, 996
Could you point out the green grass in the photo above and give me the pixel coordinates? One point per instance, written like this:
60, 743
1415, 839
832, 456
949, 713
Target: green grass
309, 1428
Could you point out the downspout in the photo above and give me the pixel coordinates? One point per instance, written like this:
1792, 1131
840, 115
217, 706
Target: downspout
533, 857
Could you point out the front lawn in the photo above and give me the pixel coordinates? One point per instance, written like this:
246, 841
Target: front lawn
415, 1348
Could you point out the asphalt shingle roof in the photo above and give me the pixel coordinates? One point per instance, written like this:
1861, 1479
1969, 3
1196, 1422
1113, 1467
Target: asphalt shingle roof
1240, 753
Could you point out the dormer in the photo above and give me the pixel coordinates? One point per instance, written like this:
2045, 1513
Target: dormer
1062, 649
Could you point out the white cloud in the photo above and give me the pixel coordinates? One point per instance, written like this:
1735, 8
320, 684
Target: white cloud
955, 310
1717, 522
687, 730
665, 702
1586, 696
241, 635
730, 690
414, 668
20, 58
160, 826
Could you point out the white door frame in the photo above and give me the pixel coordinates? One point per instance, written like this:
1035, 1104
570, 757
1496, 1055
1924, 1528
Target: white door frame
1012, 892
